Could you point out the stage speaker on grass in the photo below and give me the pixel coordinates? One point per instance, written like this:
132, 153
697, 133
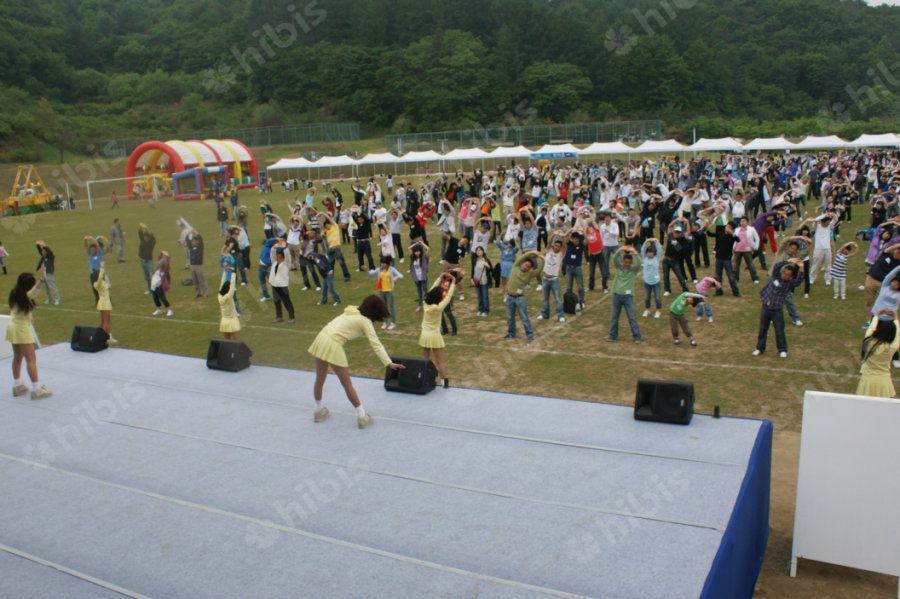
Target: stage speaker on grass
664, 401
89, 339
229, 355
418, 376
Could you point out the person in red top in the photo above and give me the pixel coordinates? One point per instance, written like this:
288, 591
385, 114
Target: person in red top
594, 243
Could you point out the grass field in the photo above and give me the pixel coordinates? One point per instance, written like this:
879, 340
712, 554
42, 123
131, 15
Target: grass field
568, 360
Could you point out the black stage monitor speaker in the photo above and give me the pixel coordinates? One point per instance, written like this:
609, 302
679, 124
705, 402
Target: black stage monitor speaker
418, 376
664, 401
229, 355
89, 339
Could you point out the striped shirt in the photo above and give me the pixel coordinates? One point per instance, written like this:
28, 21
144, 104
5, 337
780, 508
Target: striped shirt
839, 266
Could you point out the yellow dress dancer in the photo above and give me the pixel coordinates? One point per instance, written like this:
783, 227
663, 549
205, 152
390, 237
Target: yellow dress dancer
20, 333
430, 339
104, 305
328, 350
876, 367
230, 322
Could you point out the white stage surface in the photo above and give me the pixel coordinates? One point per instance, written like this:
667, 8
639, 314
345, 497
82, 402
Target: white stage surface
149, 475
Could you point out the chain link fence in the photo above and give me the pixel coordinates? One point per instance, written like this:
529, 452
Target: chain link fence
532, 135
253, 137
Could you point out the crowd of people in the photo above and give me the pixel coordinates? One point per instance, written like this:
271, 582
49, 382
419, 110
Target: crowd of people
675, 231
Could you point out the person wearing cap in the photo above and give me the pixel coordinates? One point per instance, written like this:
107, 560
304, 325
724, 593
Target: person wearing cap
677, 251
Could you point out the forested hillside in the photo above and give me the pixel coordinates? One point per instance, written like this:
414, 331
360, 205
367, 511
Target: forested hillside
74, 72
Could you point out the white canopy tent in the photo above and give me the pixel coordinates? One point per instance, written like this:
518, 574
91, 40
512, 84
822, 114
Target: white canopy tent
428, 156
883, 140
286, 163
510, 152
555, 150
659, 147
779, 144
719, 144
600, 148
385, 158
829, 142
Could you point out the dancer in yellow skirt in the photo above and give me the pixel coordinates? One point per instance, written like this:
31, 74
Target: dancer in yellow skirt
104, 305
878, 347
229, 324
20, 334
328, 350
430, 339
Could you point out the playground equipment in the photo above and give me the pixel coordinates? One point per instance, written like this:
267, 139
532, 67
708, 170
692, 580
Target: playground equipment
192, 169
29, 194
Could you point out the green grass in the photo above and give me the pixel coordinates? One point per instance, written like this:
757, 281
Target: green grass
568, 360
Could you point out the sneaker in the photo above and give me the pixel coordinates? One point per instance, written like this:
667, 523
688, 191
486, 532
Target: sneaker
895, 363
338, 303
20, 390
539, 287
391, 326
656, 314
699, 318
756, 282
364, 421
157, 312
401, 260
41, 393
646, 313
638, 340
834, 297
843, 297
320, 303
798, 323
862, 287
418, 308
321, 414
243, 284
805, 296
865, 325
170, 313
756, 352
828, 283
56, 303
562, 318
782, 354
540, 317
508, 336
112, 340
677, 341
693, 343
606, 291
264, 299
709, 319
147, 292
291, 321
666, 294
461, 297
696, 281
304, 288
610, 339
383, 326
318, 288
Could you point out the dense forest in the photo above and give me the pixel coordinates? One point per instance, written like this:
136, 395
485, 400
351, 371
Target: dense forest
75, 72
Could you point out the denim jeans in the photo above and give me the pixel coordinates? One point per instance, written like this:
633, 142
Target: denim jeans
575, 274
744, 257
336, 256
421, 290
513, 305
673, 265
769, 316
147, 270
608, 251
484, 302
388, 297
328, 287
619, 302
263, 272
548, 286
654, 291
791, 308
704, 309
726, 266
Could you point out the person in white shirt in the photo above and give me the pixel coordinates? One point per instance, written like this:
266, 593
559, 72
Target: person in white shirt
609, 234
823, 248
550, 279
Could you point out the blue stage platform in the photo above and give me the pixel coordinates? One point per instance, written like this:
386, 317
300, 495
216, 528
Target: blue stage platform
148, 475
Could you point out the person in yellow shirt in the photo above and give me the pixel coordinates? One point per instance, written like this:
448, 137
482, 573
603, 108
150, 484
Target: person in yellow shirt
328, 350
878, 347
104, 305
387, 277
229, 323
430, 339
20, 333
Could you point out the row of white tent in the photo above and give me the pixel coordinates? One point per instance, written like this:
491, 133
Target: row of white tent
725, 144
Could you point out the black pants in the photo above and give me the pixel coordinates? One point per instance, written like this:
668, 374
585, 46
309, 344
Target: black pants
725, 265
448, 317
364, 249
673, 265
283, 296
594, 262
687, 265
159, 297
701, 246
306, 268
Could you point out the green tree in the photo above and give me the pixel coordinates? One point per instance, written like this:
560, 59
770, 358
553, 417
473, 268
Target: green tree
555, 89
